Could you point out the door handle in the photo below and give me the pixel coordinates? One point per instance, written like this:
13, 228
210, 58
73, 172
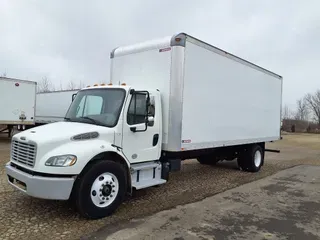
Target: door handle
155, 139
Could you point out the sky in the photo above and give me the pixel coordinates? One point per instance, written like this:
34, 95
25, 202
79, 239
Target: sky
71, 40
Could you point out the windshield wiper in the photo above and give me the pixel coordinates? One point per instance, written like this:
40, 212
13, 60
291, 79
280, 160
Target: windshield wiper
93, 120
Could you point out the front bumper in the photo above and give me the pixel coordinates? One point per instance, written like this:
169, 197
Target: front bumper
54, 188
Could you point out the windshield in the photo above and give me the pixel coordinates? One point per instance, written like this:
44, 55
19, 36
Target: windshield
97, 106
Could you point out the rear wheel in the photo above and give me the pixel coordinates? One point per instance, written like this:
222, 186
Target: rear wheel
251, 159
100, 189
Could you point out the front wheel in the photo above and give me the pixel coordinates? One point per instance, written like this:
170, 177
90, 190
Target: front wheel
100, 189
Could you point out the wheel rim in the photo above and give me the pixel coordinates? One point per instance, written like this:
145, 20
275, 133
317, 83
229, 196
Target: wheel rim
104, 190
257, 158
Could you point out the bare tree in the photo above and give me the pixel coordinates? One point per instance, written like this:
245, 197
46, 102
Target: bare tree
72, 85
4, 74
302, 109
313, 101
81, 85
60, 86
286, 112
45, 85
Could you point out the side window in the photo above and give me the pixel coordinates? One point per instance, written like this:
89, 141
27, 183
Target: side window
137, 109
90, 105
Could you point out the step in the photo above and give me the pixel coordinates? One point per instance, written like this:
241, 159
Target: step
148, 183
147, 165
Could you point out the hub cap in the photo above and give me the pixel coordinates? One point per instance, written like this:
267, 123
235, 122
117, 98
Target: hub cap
257, 158
104, 190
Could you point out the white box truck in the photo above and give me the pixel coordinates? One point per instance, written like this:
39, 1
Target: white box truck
53, 106
169, 99
17, 103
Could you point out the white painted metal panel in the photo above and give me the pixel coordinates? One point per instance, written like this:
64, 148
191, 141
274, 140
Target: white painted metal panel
210, 98
53, 106
226, 102
145, 70
17, 97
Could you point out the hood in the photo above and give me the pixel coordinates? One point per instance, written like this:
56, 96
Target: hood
60, 130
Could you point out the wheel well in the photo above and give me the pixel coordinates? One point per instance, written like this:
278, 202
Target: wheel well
113, 156
262, 145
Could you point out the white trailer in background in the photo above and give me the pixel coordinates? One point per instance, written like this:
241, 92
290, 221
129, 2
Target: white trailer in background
17, 103
171, 99
53, 106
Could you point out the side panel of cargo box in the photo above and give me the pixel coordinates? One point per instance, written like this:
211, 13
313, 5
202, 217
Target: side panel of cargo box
17, 100
53, 106
227, 101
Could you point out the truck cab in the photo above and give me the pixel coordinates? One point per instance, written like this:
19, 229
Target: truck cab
90, 156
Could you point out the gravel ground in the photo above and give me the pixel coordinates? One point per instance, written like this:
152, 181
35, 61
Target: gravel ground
23, 217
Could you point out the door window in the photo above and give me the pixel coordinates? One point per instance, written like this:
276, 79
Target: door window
137, 109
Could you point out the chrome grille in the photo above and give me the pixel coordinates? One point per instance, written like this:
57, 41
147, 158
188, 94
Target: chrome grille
24, 153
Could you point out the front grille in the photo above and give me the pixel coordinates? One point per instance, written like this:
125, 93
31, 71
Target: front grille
24, 153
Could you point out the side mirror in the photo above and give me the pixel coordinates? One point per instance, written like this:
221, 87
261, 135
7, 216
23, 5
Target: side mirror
73, 96
150, 121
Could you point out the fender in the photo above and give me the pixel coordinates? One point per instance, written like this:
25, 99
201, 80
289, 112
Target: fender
113, 153
86, 151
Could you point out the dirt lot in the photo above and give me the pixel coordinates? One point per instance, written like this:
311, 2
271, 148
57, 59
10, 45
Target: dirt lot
22, 217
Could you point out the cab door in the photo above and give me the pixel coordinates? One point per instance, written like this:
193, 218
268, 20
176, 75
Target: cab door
141, 138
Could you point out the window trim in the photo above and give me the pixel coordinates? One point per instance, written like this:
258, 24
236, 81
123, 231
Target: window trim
134, 95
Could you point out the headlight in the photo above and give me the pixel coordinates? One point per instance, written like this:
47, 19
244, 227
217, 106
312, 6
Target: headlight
61, 161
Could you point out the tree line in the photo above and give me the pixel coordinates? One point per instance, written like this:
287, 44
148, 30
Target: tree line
307, 109
45, 85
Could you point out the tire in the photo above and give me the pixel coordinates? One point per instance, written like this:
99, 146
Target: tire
100, 189
252, 159
207, 160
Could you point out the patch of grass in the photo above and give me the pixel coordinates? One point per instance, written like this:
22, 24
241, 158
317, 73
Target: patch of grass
311, 141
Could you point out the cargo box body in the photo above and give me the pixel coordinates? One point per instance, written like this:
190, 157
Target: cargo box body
17, 101
210, 98
53, 106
